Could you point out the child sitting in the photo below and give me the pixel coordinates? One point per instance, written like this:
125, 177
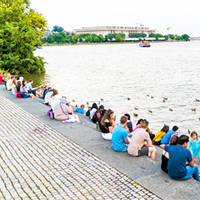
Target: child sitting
195, 144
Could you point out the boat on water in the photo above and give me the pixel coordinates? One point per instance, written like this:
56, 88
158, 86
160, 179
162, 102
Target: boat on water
144, 44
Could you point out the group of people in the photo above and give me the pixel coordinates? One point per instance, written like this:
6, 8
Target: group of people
18, 86
177, 159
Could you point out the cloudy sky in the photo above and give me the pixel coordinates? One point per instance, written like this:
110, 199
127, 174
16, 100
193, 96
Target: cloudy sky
183, 16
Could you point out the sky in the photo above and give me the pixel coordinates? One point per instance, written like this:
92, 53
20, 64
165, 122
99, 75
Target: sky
183, 16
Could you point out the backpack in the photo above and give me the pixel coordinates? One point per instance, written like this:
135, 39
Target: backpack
88, 113
19, 95
94, 118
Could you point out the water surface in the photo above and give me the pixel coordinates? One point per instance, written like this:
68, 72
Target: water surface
114, 72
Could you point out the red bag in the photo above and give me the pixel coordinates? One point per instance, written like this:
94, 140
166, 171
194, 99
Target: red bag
19, 95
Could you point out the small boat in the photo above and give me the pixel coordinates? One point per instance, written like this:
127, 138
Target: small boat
144, 44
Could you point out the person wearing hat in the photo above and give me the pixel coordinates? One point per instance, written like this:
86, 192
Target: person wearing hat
63, 112
167, 136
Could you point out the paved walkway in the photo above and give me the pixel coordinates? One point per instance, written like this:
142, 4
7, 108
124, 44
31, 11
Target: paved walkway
37, 162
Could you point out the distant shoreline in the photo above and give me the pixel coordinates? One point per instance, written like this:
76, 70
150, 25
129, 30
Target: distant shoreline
66, 44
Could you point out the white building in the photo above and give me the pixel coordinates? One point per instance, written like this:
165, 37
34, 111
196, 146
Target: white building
104, 30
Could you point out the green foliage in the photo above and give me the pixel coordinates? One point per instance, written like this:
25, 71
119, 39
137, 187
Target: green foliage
67, 33
137, 35
58, 29
178, 38
171, 36
120, 37
74, 39
152, 35
59, 38
185, 37
157, 35
20, 34
50, 38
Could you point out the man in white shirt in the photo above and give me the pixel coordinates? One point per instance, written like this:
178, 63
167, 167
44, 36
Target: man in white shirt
29, 87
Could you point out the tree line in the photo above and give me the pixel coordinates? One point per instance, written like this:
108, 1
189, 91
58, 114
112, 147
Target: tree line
58, 36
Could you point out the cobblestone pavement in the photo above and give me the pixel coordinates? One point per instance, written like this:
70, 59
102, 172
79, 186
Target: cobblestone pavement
37, 162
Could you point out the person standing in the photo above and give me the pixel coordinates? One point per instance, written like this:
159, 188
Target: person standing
120, 139
141, 142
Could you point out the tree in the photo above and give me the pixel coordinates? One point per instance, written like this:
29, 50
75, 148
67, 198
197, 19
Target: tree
67, 39
50, 38
152, 35
58, 38
20, 34
110, 36
96, 39
60, 29
55, 28
74, 39
67, 33
101, 38
185, 37
118, 38
178, 38
171, 36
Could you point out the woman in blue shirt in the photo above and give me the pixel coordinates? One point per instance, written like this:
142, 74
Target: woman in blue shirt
24, 92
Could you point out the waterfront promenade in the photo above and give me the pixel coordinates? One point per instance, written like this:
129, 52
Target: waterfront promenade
38, 162
45, 159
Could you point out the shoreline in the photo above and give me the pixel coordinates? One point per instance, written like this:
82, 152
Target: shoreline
104, 43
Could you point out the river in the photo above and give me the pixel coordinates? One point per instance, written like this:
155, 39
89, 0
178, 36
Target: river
114, 72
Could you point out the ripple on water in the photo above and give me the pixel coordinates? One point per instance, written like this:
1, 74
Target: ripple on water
115, 72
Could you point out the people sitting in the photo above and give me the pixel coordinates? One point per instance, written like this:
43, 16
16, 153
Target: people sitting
165, 154
29, 87
159, 135
138, 125
101, 108
167, 136
93, 109
63, 112
107, 124
101, 112
129, 125
195, 144
14, 89
41, 92
23, 91
141, 143
120, 140
46, 90
80, 110
1, 77
93, 113
47, 96
55, 96
9, 82
178, 156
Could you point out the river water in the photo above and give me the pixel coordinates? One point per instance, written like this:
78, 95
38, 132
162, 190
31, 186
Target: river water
113, 72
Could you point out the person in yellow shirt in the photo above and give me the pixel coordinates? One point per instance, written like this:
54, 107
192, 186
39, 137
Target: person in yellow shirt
160, 134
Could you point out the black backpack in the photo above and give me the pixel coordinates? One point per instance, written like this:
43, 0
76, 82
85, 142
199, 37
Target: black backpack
94, 118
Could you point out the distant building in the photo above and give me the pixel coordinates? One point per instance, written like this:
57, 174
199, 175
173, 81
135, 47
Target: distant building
105, 30
194, 38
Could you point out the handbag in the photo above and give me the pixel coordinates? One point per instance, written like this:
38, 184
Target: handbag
63, 111
51, 114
